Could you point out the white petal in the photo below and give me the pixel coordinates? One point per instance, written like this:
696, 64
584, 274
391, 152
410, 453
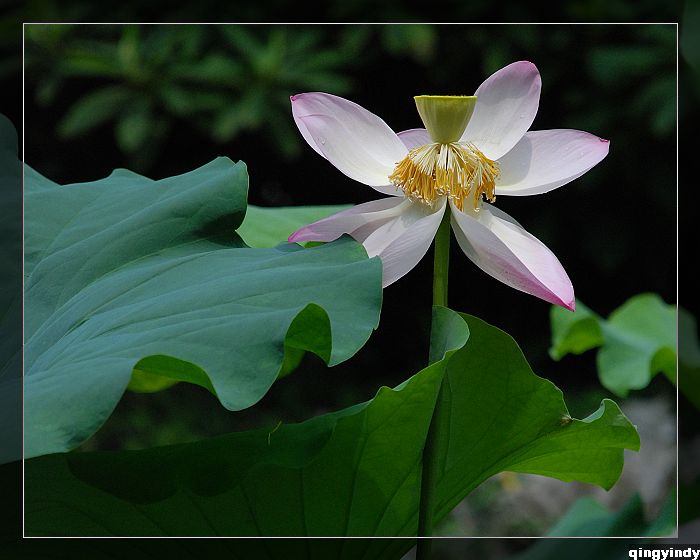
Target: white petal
403, 241
506, 105
358, 221
357, 142
415, 137
503, 249
399, 231
302, 126
546, 159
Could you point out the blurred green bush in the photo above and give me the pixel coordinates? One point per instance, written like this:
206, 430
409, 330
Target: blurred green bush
147, 80
224, 79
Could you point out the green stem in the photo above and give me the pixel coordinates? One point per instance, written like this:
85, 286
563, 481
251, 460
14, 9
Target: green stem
441, 262
430, 451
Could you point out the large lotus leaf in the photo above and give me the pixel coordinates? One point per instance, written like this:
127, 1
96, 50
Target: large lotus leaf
128, 274
353, 472
637, 341
267, 227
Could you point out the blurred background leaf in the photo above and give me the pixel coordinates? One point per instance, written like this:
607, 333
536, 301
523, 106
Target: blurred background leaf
588, 518
637, 341
267, 227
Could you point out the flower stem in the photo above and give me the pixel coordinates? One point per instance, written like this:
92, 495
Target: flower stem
430, 451
441, 261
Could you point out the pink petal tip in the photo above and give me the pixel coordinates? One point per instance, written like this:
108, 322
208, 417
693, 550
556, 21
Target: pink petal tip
526, 65
302, 234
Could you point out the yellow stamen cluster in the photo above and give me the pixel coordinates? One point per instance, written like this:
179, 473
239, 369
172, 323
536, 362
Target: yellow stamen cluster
454, 170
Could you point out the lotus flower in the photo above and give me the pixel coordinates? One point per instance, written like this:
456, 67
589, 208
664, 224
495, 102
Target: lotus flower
473, 148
